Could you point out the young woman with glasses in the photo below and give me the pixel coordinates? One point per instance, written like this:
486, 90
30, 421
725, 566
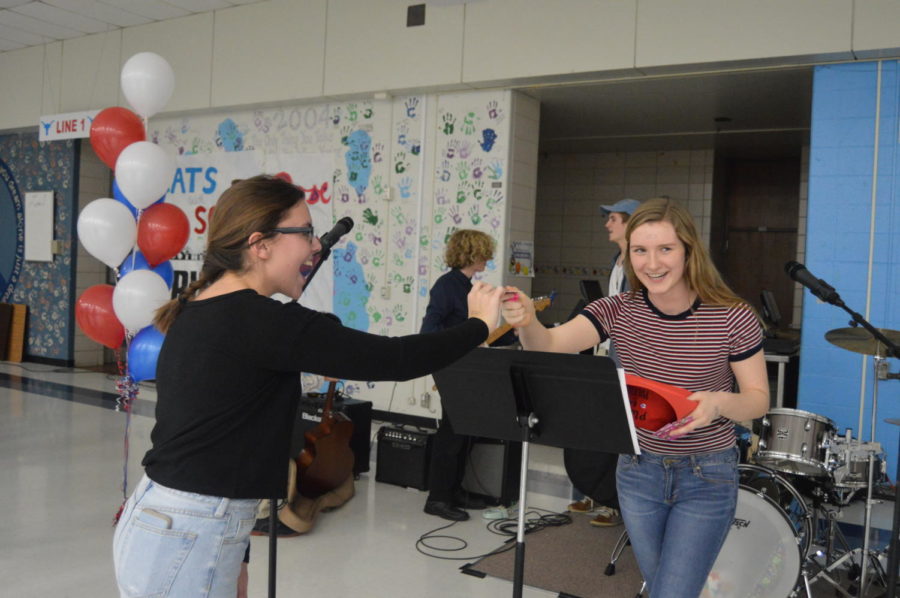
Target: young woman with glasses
228, 381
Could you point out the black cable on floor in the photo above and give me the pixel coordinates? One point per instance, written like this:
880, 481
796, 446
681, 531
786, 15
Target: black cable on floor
534, 521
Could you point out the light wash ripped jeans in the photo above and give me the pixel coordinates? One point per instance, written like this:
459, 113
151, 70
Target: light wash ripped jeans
173, 544
678, 510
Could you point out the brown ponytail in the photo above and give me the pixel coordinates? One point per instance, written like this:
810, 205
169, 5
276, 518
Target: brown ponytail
251, 205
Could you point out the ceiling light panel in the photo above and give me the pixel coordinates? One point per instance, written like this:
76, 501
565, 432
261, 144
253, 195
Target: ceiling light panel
201, 5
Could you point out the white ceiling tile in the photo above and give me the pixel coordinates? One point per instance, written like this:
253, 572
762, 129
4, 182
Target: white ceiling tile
63, 18
152, 9
20, 21
12, 3
102, 12
6, 45
22, 37
200, 5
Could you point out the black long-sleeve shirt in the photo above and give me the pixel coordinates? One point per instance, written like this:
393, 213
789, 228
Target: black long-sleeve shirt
228, 383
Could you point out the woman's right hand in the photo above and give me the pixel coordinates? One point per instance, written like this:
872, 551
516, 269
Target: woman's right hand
484, 303
517, 308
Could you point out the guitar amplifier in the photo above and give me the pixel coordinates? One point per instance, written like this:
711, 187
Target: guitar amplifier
403, 457
309, 414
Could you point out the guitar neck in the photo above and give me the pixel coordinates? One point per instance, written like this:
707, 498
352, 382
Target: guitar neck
540, 304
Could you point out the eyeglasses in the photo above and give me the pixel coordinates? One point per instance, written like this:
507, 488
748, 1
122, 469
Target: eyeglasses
297, 230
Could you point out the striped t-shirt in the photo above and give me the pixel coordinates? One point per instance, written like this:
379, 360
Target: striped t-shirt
692, 350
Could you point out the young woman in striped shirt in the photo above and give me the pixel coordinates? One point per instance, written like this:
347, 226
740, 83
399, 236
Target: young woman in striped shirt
680, 325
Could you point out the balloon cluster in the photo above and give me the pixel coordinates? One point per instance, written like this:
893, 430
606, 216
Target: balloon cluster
135, 232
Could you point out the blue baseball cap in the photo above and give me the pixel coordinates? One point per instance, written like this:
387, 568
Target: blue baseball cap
627, 206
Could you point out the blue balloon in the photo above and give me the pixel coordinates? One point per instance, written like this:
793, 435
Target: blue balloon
119, 196
144, 352
137, 261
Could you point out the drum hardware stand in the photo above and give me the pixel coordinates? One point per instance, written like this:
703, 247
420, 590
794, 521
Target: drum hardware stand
868, 558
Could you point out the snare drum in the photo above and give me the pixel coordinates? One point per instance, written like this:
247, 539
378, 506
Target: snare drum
849, 461
768, 540
795, 442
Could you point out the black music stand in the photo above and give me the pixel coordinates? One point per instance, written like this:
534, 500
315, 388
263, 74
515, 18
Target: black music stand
561, 400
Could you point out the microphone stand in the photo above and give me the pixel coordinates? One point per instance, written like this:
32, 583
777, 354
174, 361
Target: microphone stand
892, 351
273, 502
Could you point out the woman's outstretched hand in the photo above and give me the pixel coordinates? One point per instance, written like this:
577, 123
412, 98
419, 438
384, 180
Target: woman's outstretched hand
517, 308
484, 303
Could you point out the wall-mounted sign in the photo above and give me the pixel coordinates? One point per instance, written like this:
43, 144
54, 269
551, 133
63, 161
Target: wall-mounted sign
73, 125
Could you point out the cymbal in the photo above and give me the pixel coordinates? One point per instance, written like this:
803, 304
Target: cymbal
860, 340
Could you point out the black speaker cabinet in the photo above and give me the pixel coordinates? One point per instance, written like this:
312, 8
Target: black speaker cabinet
403, 457
493, 470
360, 413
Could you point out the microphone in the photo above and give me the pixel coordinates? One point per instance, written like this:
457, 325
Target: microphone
341, 228
817, 286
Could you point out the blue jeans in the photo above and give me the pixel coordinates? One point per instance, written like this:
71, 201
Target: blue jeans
170, 543
678, 510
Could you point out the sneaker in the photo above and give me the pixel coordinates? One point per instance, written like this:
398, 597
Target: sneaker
607, 517
585, 505
261, 528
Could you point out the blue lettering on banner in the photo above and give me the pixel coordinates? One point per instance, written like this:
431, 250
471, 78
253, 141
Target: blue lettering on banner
185, 179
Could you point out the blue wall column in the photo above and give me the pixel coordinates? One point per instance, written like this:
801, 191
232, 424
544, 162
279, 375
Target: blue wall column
853, 242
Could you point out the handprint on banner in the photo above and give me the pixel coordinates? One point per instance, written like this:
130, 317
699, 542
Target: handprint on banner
411, 104
477, 190
440, 197
450, 151
336, 116
461, 194
462, 170
352, 113
378, 258
474, 216
402, 133
449, 121
370, 217
423, 242
476, 168
495, 170
495, 198
454, 215
345, 134
469, 123
465, 150
415, 147
375, 239
489, 137
495, 223
398, 259
404, 187
368, 112
377, 152
399, 239
408, 284
439, 215
494, 111
399, 313
343, 193
443, 172
399, 216
377, 185
400, 163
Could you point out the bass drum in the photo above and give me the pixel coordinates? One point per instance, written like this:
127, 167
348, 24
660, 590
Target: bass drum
768, 541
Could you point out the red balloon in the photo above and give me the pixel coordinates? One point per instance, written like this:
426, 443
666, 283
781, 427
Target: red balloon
114, 129
163, 230
96, 317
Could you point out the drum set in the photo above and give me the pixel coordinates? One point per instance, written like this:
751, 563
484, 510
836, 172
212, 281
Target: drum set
803, 476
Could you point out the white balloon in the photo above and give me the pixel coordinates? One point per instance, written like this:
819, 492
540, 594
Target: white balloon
147, 82
137, 296
144, 172
107, 230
